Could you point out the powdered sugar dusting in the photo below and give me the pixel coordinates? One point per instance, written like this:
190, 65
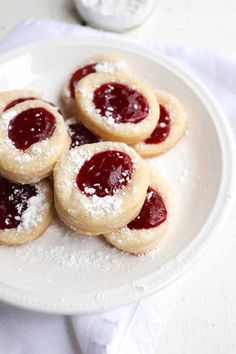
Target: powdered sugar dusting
171, 110
66, 249
36, 150
37, 204
125, 235
7, 117
97, 206
32, 216
110, 67
89, 190
78, 158
85, 93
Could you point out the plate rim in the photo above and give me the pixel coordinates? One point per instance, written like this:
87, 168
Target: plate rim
116, 297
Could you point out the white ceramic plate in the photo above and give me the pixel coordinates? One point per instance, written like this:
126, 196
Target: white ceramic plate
63, 273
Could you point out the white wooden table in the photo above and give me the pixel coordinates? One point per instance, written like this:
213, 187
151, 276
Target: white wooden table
204, 321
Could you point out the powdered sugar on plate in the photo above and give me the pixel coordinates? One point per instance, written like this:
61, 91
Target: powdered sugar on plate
66, 249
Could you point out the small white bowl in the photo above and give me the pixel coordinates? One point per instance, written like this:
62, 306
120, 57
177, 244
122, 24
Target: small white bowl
115, 16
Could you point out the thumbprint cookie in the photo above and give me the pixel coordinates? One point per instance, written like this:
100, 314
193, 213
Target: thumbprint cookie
144, 232
26, 210
100, 187
107, 63
79, 134
33, 135
169, 129
117, 107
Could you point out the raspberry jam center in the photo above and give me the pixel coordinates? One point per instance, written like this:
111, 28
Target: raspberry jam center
120, 103
152, 214
30, 127
162, 130
106, 173
81, 135
78, 75
13, 202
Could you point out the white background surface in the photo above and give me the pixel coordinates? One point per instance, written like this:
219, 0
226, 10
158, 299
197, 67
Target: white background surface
204, 320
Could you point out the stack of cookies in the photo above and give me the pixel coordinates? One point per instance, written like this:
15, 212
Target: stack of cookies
94, 151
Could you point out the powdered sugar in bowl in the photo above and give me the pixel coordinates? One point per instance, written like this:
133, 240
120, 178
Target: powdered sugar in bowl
114, 15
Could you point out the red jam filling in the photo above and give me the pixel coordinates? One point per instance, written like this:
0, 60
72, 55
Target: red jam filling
78, 75
120, 103
13, 202
81, 135
152, 214
30, 127
23, 99
105, 173
162, 130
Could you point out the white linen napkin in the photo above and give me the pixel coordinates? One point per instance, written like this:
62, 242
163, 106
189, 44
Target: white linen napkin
134, 329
